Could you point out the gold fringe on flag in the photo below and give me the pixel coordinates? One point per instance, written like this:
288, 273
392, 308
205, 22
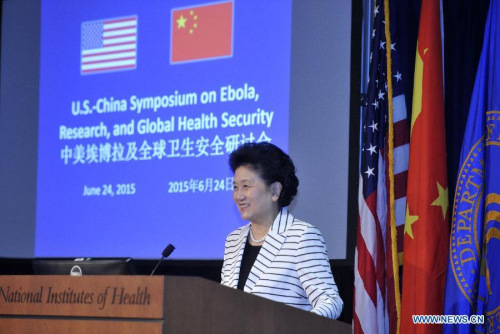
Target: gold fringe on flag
390, 139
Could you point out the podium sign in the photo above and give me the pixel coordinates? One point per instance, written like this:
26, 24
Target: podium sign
87, 296
85, 304
143, 304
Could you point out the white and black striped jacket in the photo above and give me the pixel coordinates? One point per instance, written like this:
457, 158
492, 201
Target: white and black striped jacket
292, 267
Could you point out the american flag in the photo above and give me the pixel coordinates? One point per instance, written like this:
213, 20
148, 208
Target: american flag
109, 45
382, 184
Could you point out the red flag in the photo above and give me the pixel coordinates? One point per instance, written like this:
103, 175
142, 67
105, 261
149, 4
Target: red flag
202, 32
426, 227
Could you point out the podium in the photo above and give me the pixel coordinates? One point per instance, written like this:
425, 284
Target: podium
143, 304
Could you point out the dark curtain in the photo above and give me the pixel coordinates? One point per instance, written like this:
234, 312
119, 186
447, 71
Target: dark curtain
407, 20
464, 22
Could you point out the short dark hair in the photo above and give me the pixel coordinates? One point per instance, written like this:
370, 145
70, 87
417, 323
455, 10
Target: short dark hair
272, 165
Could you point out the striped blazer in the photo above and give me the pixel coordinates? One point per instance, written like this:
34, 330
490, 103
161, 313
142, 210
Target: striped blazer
292, 267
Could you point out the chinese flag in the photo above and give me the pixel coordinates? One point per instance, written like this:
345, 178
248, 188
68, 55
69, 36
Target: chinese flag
202, 32
426, 234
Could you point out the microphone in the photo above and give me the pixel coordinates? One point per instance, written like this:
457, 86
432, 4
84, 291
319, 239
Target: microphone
166, 253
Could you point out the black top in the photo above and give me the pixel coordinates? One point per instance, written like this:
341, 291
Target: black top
249, 255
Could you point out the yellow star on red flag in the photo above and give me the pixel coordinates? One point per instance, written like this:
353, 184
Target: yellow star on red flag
181, 22
409, 221
442, 199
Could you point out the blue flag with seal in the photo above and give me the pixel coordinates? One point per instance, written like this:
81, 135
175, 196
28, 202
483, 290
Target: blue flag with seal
473, 274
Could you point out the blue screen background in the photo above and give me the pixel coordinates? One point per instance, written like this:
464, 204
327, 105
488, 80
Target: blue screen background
160, 209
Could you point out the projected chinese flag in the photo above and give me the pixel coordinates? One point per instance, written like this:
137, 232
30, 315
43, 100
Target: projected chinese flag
202, 32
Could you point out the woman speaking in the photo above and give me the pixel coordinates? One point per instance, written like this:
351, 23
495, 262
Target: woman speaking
275, 256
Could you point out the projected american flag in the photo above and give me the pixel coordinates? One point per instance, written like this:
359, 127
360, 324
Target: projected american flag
109, 45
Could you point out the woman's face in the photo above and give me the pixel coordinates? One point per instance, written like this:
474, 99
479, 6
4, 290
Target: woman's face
256, 201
